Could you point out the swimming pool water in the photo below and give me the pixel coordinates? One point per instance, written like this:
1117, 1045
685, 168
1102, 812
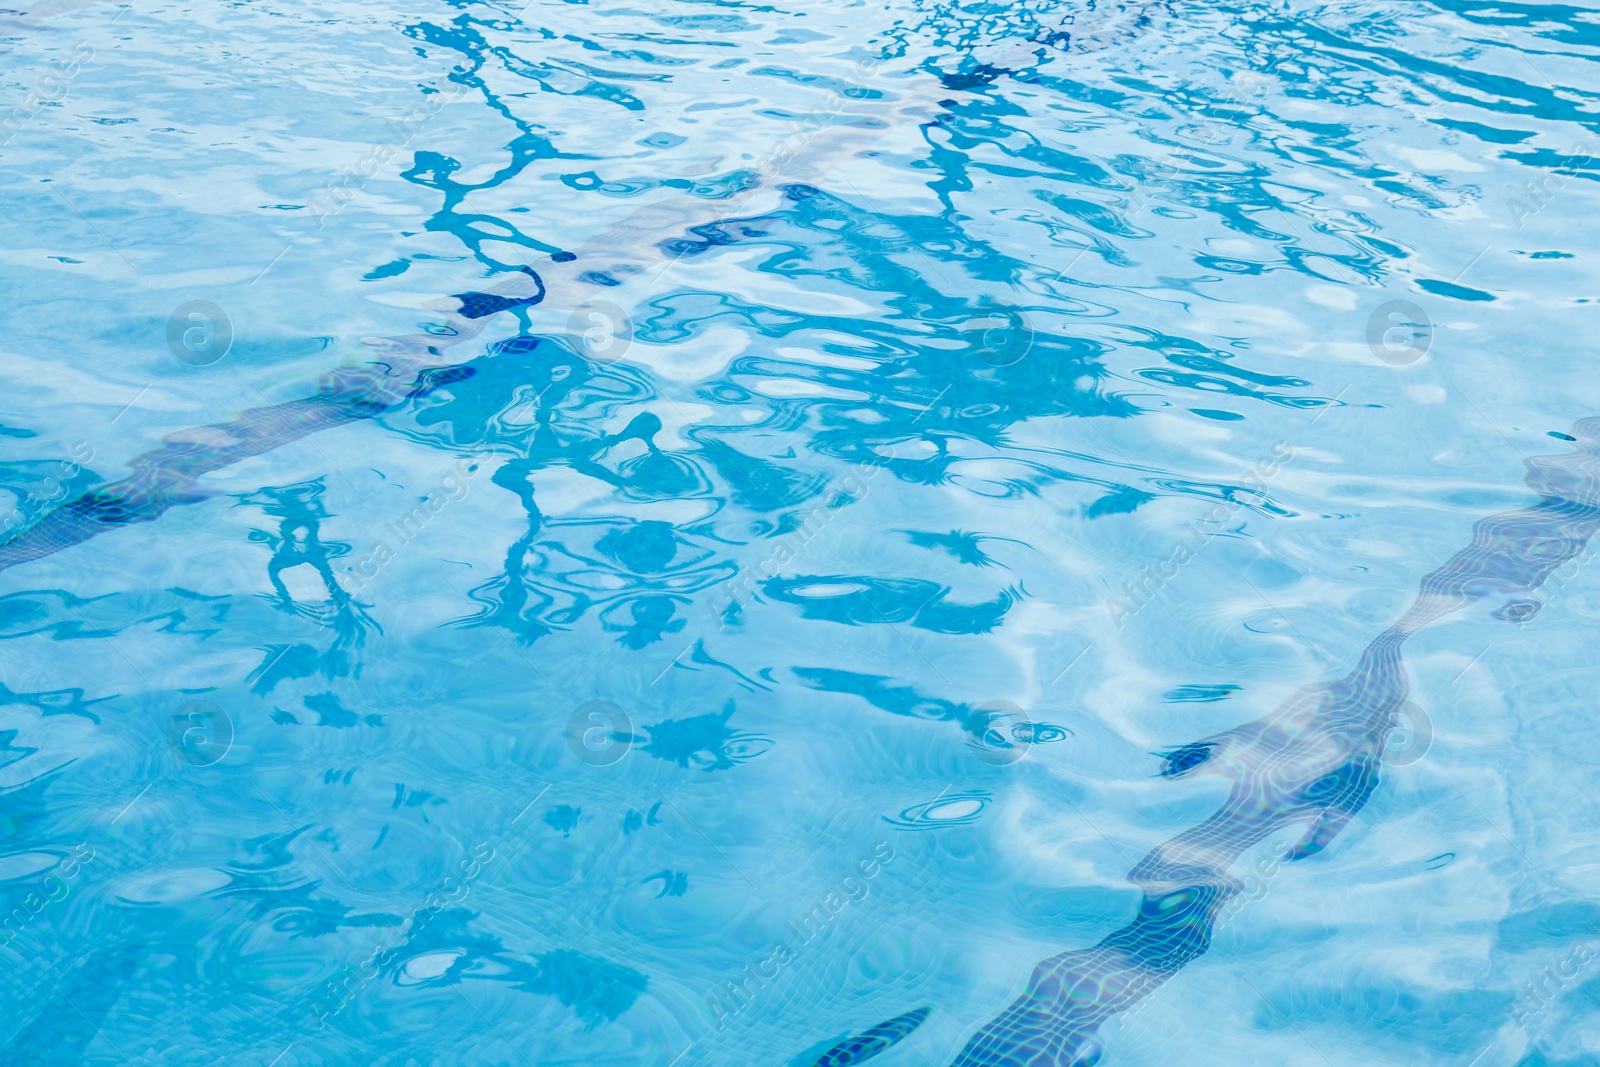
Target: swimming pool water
706, 533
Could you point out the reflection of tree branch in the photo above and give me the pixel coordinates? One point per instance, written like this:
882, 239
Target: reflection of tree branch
165, 476
298, 542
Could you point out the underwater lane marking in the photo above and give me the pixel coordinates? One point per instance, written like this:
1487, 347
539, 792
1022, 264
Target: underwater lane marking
307, 438
281, 1055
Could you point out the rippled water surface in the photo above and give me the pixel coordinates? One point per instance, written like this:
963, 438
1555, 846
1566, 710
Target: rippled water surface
712, 532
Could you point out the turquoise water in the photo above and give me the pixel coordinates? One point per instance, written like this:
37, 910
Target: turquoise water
720, 533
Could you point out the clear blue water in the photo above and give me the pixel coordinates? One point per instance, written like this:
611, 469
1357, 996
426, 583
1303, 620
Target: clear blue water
706, 532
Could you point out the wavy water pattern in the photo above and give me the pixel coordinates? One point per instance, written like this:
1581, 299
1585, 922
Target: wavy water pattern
707, 532
1312, 764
